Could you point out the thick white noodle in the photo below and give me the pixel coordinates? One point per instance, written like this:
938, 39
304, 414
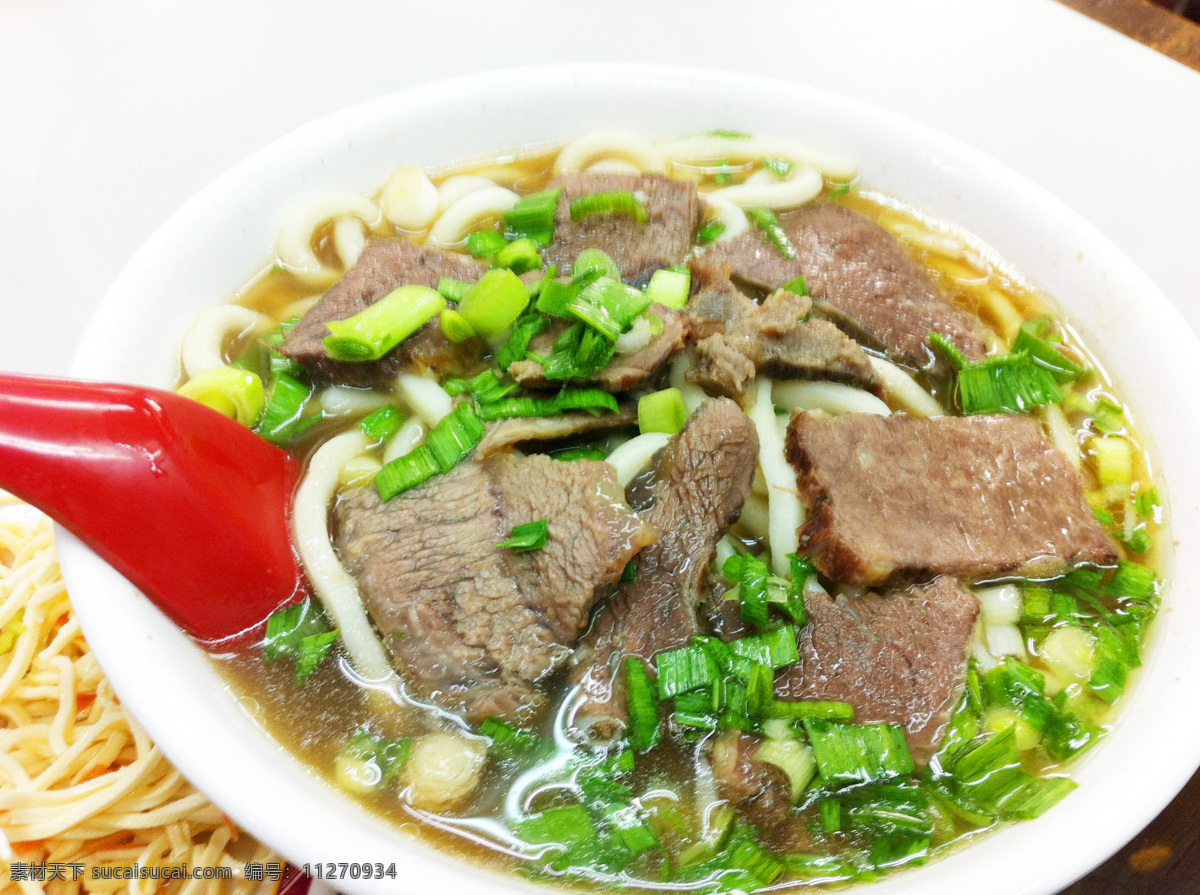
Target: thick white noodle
1062, 433
214, 328
744, 149
833, 397
613, 166
1000, 605
455, 222
730, 214
454, 188
1004, 640
424, 397
341, 400
803, 184
632, 457
407, 437
902, 390
756, 517
349, 240
409, 198
293, 245
693, 396
608, 143
726, 548
786, 512
333, 584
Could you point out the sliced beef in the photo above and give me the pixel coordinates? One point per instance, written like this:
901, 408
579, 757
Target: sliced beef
673, 207
387, 264
897, 657
778, 338
860, 278
506, 434
759, 790
716, 302
900, 499
703, 477
624, 371
473, 626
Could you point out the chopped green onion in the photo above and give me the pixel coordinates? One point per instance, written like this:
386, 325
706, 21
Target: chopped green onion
527, 537
1041, 352
670, 288
684, 669
280, 363
370, 334
811, 708
1133, 580
629, 573
451, 439
1015, 684
283, 419
582, 452
992, 777
528, 325
726, 134
298, 632
1139, 540
760, 690
609, 202
597, 263
508, 741
578, 353
824, 868
558, 826
1112, 663
593, 400
453, 290
1147, 503
662, 411
839, 189
454, 326
1011, 384
488, 387
776, 647
858, 753
942, 343
382, 424
830, 810
494, 303
751, 858
608, 306
768, 223
533, 216
896, 816
555, 297
723, 173
485, 244
780, 167
237, 394
1106, 416
752, 592
644, 730
520, 256
367, 762
796, 285
1114, 460
710, 232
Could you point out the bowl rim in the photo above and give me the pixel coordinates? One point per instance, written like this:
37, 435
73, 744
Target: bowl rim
176, 733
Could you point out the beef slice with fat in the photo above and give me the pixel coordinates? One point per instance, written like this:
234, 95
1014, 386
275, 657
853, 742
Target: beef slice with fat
899, 499
473, 626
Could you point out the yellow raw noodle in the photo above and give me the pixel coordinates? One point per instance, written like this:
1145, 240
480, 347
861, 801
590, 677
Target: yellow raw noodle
80, 782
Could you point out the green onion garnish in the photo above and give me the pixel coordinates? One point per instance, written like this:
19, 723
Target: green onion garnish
454, 326
644, 730
752, 590
1133, 580
709, 232
858, 753
559, 826
662, 411
593, 400
485, 243
494, 303
488, 386
670, 287
382, 424
830, 810
368, 762
527, 537
280, 363
768, 222
555, 298
1012, 384
595, 263
283, 420
608, 306
1147, 503
372, 333
776, 647
796, 285
811, 708
609, 202
780, 167
508, 741
298, 632
237, 394
578, 353
685, 669
451, 440
453, 290
1029, 340
519, 256
528, 325
533, 216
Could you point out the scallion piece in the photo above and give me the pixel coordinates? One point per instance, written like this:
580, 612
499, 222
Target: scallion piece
582, 452
1133, 580
792, 757
485, 243
528, 325
368, 762
488, 386
685, 669
644, 730
595, 263
451, 440
237, 394
280, 363
372, 333
494, 303
454, 326
453, 290
796, 285
709, 232
670, 288
283, 419
858, 753
382, 424
750, 857
519, 256
811, 708
578, 353
780, 167
1111, 668
1114, 460
508, 741
752, 590
662, 411
1148, 503
298, 632
526, 537
830, 810
533, 216
555, 298
1009, 384
593, 400
776, 648
609, 202
760, 690
768, 223
558, 826
608, 306
1029, 340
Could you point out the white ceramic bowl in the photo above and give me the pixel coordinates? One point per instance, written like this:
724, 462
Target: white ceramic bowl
222, 236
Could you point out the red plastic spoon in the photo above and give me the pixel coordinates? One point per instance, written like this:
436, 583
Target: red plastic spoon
188, 505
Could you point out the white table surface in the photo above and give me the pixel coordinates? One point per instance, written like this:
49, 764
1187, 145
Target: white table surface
112, 114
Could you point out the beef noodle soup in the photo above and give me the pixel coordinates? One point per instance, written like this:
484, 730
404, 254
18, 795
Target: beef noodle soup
682, 514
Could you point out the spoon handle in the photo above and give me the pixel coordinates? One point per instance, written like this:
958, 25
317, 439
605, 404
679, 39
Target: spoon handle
188, 505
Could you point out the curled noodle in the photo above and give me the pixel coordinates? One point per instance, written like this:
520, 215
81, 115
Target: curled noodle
293, 245
204, 344
609, 143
